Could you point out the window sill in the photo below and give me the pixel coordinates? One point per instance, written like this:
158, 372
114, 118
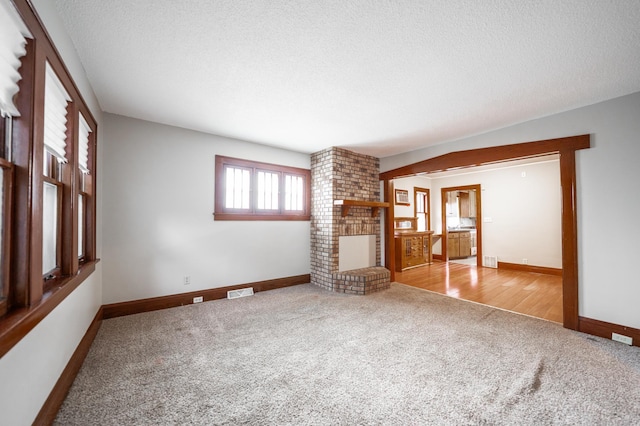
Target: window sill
19, 322
241, 216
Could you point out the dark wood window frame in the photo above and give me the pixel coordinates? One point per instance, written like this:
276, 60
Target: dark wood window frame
566, 148
30, 298
253, 213
6, 168
56, 271
426, 205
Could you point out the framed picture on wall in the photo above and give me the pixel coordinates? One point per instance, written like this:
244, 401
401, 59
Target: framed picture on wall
402, 197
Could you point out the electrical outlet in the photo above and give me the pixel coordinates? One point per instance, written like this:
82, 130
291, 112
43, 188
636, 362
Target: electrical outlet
525, 261
622, 338
187, 280
198, 299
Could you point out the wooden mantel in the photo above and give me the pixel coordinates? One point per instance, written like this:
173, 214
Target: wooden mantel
347, 204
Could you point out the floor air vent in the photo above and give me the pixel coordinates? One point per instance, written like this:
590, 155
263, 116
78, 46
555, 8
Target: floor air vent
234, 294
490, 261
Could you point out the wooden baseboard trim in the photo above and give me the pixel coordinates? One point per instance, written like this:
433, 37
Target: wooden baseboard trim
437, 257
530, 268
604, 329
156, 303
50, 408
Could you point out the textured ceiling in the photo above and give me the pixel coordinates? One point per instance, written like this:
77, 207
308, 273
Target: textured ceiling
376, 76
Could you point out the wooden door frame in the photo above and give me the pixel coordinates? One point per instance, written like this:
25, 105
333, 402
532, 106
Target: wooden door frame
565, 147
478, 203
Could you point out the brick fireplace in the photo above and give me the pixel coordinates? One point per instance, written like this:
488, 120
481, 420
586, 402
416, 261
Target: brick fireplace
339, 174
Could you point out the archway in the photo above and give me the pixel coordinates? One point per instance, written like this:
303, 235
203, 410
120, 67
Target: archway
565, 147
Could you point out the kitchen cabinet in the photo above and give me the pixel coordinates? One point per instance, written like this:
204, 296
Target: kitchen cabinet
458, 244
453, 245
451, 208
467, 202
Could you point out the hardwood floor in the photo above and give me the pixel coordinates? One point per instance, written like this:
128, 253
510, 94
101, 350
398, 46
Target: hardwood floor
538, 295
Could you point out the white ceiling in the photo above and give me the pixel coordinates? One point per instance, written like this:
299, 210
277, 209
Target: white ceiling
379, 77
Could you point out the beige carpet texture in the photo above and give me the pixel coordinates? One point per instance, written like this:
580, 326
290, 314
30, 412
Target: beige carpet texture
304, 356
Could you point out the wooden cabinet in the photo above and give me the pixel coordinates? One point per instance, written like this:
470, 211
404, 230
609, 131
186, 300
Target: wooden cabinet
458, 244
411, 251
472, 204
451, 208
413, 248
465, 244
453, 245
467, 201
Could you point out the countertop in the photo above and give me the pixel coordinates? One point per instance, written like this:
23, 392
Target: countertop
400, 233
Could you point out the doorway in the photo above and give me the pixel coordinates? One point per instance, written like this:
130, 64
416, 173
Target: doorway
462, 223
566, 147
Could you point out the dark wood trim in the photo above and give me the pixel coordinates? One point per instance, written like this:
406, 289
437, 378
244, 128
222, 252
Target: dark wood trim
19, 322
566, 147
6, 169
530, 268
443, 218
389, 229
69, 216
163, 302
438, 256
23, 130
417, 189
494, 154
29, 299
223, 213
604, 329
259, 217
50, 408
3, 139
347, 204
478, 201
568, 182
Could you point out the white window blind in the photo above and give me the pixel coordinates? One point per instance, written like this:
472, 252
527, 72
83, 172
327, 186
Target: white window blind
55, 115
13, 34
83, 145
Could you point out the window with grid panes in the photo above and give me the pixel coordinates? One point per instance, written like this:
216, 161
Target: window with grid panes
47, 202
55, 159
250, 190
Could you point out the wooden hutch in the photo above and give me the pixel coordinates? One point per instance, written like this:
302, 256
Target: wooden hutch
413, 247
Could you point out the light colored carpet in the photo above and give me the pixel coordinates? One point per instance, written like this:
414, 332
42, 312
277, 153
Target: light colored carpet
302, 355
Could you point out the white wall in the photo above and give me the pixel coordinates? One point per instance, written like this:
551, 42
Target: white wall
158, 204
409, 183
607, 176
32, 367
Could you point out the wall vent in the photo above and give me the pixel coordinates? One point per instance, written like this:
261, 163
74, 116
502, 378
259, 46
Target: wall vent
234, 294
490, 261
